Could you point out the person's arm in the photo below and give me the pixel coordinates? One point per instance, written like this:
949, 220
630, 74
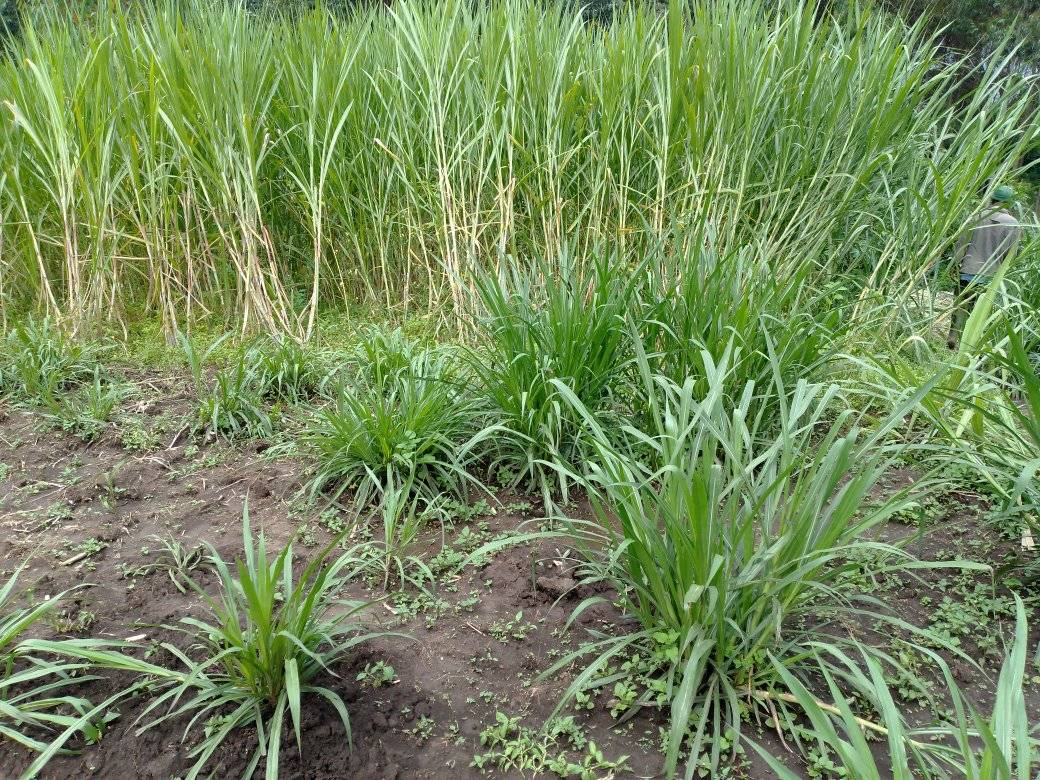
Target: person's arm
1009, 246
1016, 240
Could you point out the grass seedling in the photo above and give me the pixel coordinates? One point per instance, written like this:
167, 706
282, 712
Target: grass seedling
272, 632
175, 559
404, 515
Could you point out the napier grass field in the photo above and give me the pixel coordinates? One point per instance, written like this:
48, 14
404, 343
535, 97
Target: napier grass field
443, 390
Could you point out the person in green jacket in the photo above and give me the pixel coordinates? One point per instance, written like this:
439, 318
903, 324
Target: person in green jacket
979, 254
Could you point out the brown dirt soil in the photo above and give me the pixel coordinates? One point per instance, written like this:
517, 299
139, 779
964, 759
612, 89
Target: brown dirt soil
61, 497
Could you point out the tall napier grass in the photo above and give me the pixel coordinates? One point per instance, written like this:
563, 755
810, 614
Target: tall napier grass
193, 159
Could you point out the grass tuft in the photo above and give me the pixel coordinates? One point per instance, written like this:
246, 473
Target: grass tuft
272, 632
412, 422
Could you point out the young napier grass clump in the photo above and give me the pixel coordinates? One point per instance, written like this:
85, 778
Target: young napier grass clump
999, 416
88, 409
382, 353
272, 632
403, 514
549, 327
408, 423
983, 411
719, 527
1017, 416
284, 371
36, 698
39, 362
232, 404
244, 397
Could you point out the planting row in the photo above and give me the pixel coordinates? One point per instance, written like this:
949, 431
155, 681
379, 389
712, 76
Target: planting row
732, 496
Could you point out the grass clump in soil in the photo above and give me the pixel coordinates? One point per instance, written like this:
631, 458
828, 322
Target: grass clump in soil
271, 633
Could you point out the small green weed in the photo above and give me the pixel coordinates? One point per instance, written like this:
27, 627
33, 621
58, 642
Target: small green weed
59, 512
85, 549
377, 674
136, 436
968, 609
515, 628
174, 558
423, 729
561, 748
920, 512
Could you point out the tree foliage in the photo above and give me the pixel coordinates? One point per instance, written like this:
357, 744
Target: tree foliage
982, 25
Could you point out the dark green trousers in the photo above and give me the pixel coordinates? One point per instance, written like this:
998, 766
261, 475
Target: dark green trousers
967, 293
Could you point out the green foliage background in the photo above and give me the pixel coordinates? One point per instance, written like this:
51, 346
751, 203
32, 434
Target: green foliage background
9, 16
971, 24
